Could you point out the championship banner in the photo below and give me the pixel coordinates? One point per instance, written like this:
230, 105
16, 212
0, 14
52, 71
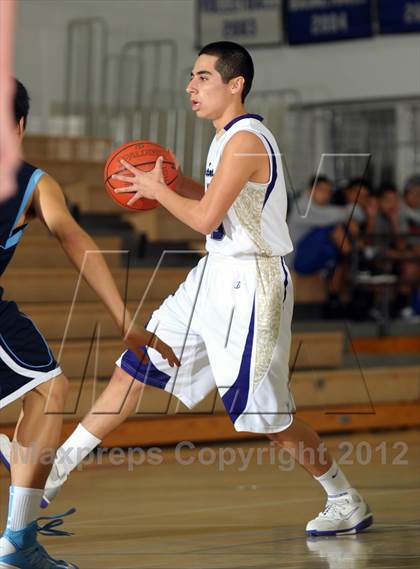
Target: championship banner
248, 22
399, 17
310, 21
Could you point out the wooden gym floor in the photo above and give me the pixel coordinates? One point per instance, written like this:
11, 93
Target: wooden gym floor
173, 516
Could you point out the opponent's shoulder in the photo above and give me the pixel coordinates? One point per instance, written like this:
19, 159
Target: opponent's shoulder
25, 173
48, 183
30, 173
27, 167
48, 195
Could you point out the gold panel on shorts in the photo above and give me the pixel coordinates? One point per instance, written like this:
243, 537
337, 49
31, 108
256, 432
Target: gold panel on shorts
268, 304
248, 207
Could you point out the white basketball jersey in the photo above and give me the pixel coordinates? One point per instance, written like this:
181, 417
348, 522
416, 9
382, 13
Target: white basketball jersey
255, 224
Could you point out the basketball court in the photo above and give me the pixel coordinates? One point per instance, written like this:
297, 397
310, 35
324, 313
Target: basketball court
175, 515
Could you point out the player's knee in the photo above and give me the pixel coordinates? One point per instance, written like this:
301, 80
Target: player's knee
125, 381
54, 392
282, 437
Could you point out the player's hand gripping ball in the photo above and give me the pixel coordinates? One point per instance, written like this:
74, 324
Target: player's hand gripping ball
142, 154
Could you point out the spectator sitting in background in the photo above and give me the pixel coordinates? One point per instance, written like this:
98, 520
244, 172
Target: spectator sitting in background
410, 206
390, 221
355, 190
358, 191
399, 253
318, 232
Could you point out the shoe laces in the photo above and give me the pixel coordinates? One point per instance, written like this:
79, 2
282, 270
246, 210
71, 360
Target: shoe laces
54, 521
38, 554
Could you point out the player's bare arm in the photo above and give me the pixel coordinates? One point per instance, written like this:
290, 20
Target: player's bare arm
244, 159
185, 186
50, 207
188, 187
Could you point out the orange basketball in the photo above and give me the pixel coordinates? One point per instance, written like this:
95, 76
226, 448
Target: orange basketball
141, 154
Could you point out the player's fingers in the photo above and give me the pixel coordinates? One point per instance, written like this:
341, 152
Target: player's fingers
125, 190
165, 351
173, 360
159, 163
135, 198
129, 167
128, 179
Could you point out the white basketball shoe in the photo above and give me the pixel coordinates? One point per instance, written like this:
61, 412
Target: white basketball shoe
343, 514
55, 481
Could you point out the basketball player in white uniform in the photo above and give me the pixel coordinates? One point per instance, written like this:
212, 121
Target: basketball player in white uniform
230, 321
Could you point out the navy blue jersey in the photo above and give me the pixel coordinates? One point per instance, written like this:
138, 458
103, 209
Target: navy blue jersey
26, 360
12, 209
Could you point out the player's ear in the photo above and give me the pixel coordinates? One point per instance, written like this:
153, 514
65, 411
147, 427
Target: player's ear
237, 85
20, 128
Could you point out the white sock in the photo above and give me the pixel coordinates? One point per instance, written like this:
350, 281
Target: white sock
23, 507
75, 449
334, 481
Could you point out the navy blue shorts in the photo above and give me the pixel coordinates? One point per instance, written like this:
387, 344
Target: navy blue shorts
25, 357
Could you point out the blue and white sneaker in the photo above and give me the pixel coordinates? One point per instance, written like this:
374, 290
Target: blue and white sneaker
21, 549
344, 514
54, 482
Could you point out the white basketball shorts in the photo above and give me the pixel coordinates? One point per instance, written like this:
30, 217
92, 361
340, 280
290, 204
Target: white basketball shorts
230, 325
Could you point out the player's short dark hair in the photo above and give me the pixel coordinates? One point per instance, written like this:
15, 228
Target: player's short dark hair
21, 103
321, 178
233, 61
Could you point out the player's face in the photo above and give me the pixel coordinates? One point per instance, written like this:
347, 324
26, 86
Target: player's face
208, 94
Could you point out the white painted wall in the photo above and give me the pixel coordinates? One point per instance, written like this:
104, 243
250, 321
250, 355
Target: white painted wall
384, 66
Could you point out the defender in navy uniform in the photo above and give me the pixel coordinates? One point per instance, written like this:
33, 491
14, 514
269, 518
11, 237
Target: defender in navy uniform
26, 362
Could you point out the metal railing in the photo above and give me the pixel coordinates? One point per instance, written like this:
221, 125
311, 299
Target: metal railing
138, 93
147, 73
86, 73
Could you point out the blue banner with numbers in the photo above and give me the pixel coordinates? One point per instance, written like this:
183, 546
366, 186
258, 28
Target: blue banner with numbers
310, 21
396, 17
